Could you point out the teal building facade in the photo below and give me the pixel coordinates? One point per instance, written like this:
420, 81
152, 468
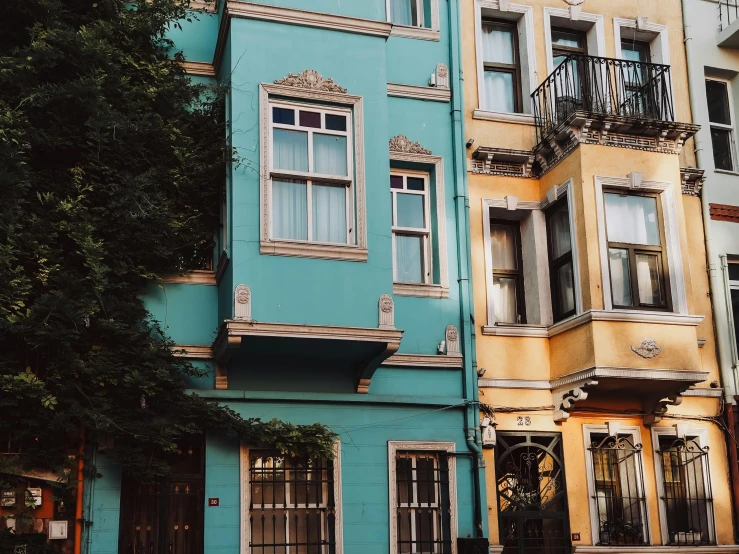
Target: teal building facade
339, 293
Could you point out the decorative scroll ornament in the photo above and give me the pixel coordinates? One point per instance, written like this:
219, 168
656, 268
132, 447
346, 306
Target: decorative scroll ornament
310, 79
402, 143
387, 312
565, 398
647, 349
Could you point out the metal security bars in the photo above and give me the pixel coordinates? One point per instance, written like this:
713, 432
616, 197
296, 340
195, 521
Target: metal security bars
423, 508
728, 12
292, 508
604, 86
687, 490
619, 497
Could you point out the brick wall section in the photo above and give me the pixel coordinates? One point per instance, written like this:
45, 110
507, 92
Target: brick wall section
724, 212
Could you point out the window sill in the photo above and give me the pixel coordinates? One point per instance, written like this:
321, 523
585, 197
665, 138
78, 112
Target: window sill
420, 33
195, 277
726, 172
504, 117
313, 250
515, 330
422, 291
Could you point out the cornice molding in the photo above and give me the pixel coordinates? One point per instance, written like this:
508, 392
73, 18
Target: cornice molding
625, 316
504, 117
598, 372
202, 69
421, 291
194, 351
529, 384
313, 250
505, 330
424, 361
420, 33
704, 392
195, 277
433, 94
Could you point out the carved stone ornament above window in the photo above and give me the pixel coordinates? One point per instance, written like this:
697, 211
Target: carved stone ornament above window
647, 349
310, 79
402, 143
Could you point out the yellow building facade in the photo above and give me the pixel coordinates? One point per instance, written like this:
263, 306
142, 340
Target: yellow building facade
594, 335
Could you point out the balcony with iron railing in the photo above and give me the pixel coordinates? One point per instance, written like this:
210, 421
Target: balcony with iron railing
728, 24
607, 96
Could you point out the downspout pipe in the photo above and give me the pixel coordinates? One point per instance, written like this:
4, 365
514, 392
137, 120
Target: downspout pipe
464, 267
695, 83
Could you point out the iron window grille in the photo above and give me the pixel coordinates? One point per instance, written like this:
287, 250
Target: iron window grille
687, 498
423, 509
292, 505
619, 498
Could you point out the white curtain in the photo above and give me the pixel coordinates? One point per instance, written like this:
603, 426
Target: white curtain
329, 154
566, 290
620, 277
632, 219
497, 45
559, 228
409, 208
289, 209
401, 11
409, 259
329, 213
647, 274
504, 300
290, 150
503, 244
499, 92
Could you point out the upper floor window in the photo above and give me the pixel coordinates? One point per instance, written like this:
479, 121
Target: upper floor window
413, 13
566, 42
721, 122
411, 227
501, 65
636, 254
733, 271
561, 268
508, 286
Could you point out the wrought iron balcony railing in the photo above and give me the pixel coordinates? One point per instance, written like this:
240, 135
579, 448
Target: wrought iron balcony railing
603, 86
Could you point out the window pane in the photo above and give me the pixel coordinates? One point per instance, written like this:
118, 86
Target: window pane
635, 51
310, 119
335, 122
735, 312
567, 39
290, 150
620, 277
497, 44
283, 115
632, 219
503, 245
504, 300
649, 279
396, 182
734, 271
415, 183
499, 92
329, 213
718, 102
409, 259
427, 13
721, 142
402, 11
559, 231
565, 293
410, 210
329, 154
289, 209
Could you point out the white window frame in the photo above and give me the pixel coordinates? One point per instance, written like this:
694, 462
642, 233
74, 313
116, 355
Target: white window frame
730, 285
246, 492
393, 447
731, 128
523, 16
416, 31
282, 95
431, 289
542, 260
595, 34
612, 428
701, 433
425, 233
671, 247
655, 34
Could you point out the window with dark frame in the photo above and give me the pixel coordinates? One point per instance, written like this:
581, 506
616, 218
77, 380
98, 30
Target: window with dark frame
687, 499
636, 75
733, 270
618, 485
292, 505
502, 66
423, 508
566, 42
508, 287
637, 259
722, 127
561, 264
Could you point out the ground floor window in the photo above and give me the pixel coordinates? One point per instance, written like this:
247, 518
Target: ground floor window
292, 504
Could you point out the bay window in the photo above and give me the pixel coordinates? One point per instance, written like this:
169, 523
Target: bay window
411, 227
636, 255
312, 173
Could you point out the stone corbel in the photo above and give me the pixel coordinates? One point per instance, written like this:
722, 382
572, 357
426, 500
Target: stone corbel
452, 341
655, 411
565, 397
386, 310
221, 374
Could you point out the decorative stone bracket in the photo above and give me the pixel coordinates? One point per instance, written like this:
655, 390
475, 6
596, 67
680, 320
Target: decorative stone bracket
401, 143
386, 309
242, 302
692, 180
655, 410
452, 341
565, 397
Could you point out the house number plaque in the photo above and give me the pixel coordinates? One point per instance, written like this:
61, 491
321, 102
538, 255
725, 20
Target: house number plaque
523, 420
214, 502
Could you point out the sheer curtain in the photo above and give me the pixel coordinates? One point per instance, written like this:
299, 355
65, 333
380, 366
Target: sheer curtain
503, 243
409, 259
647, 274
329, 213
401, 11
290, 150
632, 219
503, 246
504, 302
499, 92
497, 45
620, 277
289, 209
329, 154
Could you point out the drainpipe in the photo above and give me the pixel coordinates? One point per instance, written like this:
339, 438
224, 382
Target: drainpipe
79, 501
695, 83
462, 208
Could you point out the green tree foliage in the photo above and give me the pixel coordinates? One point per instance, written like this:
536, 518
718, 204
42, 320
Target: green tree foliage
111, 165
